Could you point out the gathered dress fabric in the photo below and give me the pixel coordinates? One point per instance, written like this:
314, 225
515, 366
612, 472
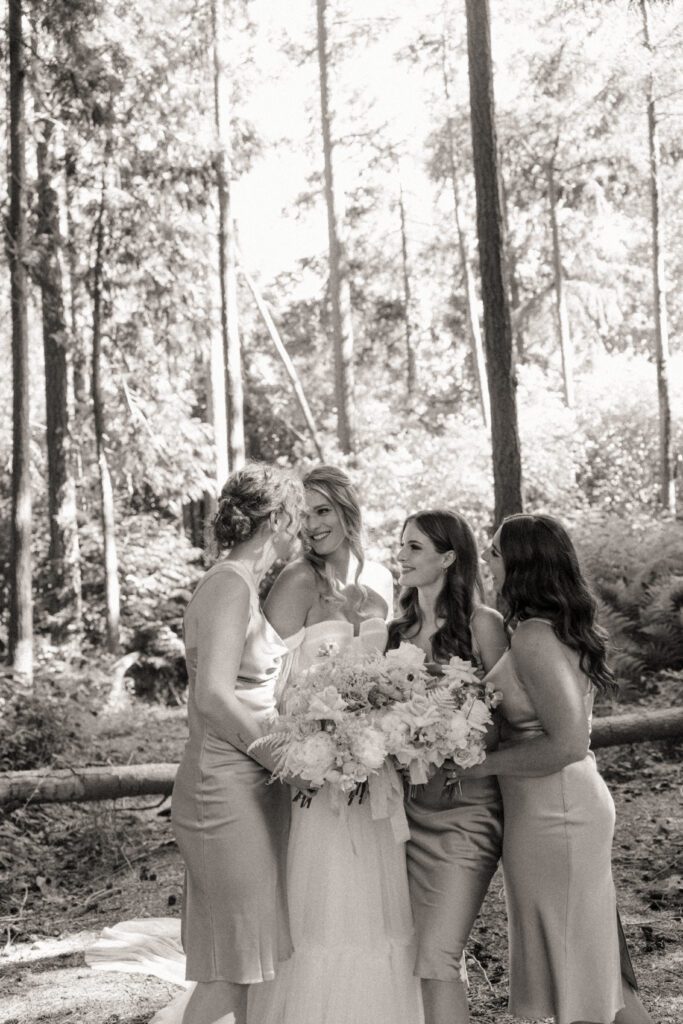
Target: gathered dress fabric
347, 887
230, 824
563, 926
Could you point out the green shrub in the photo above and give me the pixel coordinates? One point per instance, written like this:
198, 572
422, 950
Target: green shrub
35, 728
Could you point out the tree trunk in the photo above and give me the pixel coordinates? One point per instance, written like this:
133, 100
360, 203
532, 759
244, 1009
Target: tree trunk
21, 602
615, 730
81, 389
566, 347
473, 327
64, 785
226, 250
507, 470
411, 370
512, 278
111, 782
286, 360
217, 400
65, 569
111, 576
667, 468
340, 291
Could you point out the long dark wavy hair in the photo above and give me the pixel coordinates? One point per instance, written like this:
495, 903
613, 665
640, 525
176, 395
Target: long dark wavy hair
462, 587
543, 579
337, 488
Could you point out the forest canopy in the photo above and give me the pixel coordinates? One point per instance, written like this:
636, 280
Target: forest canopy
278, 201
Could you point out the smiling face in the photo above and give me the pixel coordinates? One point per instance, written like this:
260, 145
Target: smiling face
494, 560
421, 564
323, 526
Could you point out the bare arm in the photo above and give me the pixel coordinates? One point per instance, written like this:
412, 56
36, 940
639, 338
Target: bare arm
555, 690
222, 610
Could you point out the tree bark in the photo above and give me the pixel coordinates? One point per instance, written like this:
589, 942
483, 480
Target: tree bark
111, 576
667, 466
81, 388
411, 368
21, 602
340, 291
640, 727
507, 469
65, 569
512, 278
217, 399
286, 360
473, 327
111, 782
564, 333
226, 250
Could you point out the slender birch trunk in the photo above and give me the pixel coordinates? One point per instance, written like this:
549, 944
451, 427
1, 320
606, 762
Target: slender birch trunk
564, 332
64, 555
667, 464
21, 601
340, 291
472, 304
111, 578
227, 263
411, 367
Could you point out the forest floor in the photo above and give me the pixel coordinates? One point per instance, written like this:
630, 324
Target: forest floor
72, 869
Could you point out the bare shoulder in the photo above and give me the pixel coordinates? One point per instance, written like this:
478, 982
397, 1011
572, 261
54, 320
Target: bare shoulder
291, 597
297, 576
532, 633
486, 620
534, 642
217, 590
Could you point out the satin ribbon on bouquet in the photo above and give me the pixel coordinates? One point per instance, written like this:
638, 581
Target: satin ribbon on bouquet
385, 790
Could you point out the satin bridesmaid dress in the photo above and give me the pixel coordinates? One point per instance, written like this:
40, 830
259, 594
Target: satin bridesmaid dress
557, 848
231, 825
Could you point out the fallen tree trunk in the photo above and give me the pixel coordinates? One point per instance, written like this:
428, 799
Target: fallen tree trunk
616, 730
67, 785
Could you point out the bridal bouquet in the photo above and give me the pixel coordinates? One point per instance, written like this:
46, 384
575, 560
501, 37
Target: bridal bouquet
328, 732
351, 709
446, 719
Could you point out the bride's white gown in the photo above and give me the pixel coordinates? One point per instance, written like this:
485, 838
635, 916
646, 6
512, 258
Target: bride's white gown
349, 905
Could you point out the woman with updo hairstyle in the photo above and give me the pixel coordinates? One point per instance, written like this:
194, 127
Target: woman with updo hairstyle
566, 957
231, 826
455, 832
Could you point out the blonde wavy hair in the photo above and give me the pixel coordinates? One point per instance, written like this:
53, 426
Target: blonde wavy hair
336, 487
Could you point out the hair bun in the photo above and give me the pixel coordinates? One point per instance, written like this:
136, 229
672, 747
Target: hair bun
248, 498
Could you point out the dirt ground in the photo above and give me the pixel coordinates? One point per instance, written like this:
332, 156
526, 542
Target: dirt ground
76, 869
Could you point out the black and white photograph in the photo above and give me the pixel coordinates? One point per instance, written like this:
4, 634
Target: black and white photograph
341, 547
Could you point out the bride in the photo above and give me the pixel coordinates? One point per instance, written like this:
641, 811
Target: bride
347, 887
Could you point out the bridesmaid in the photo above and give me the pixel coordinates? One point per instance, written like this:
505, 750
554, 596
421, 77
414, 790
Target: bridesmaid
455, 834
230, 825
559, 815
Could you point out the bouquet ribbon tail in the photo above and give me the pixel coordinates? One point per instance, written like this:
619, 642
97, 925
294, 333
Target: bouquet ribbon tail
386, 801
